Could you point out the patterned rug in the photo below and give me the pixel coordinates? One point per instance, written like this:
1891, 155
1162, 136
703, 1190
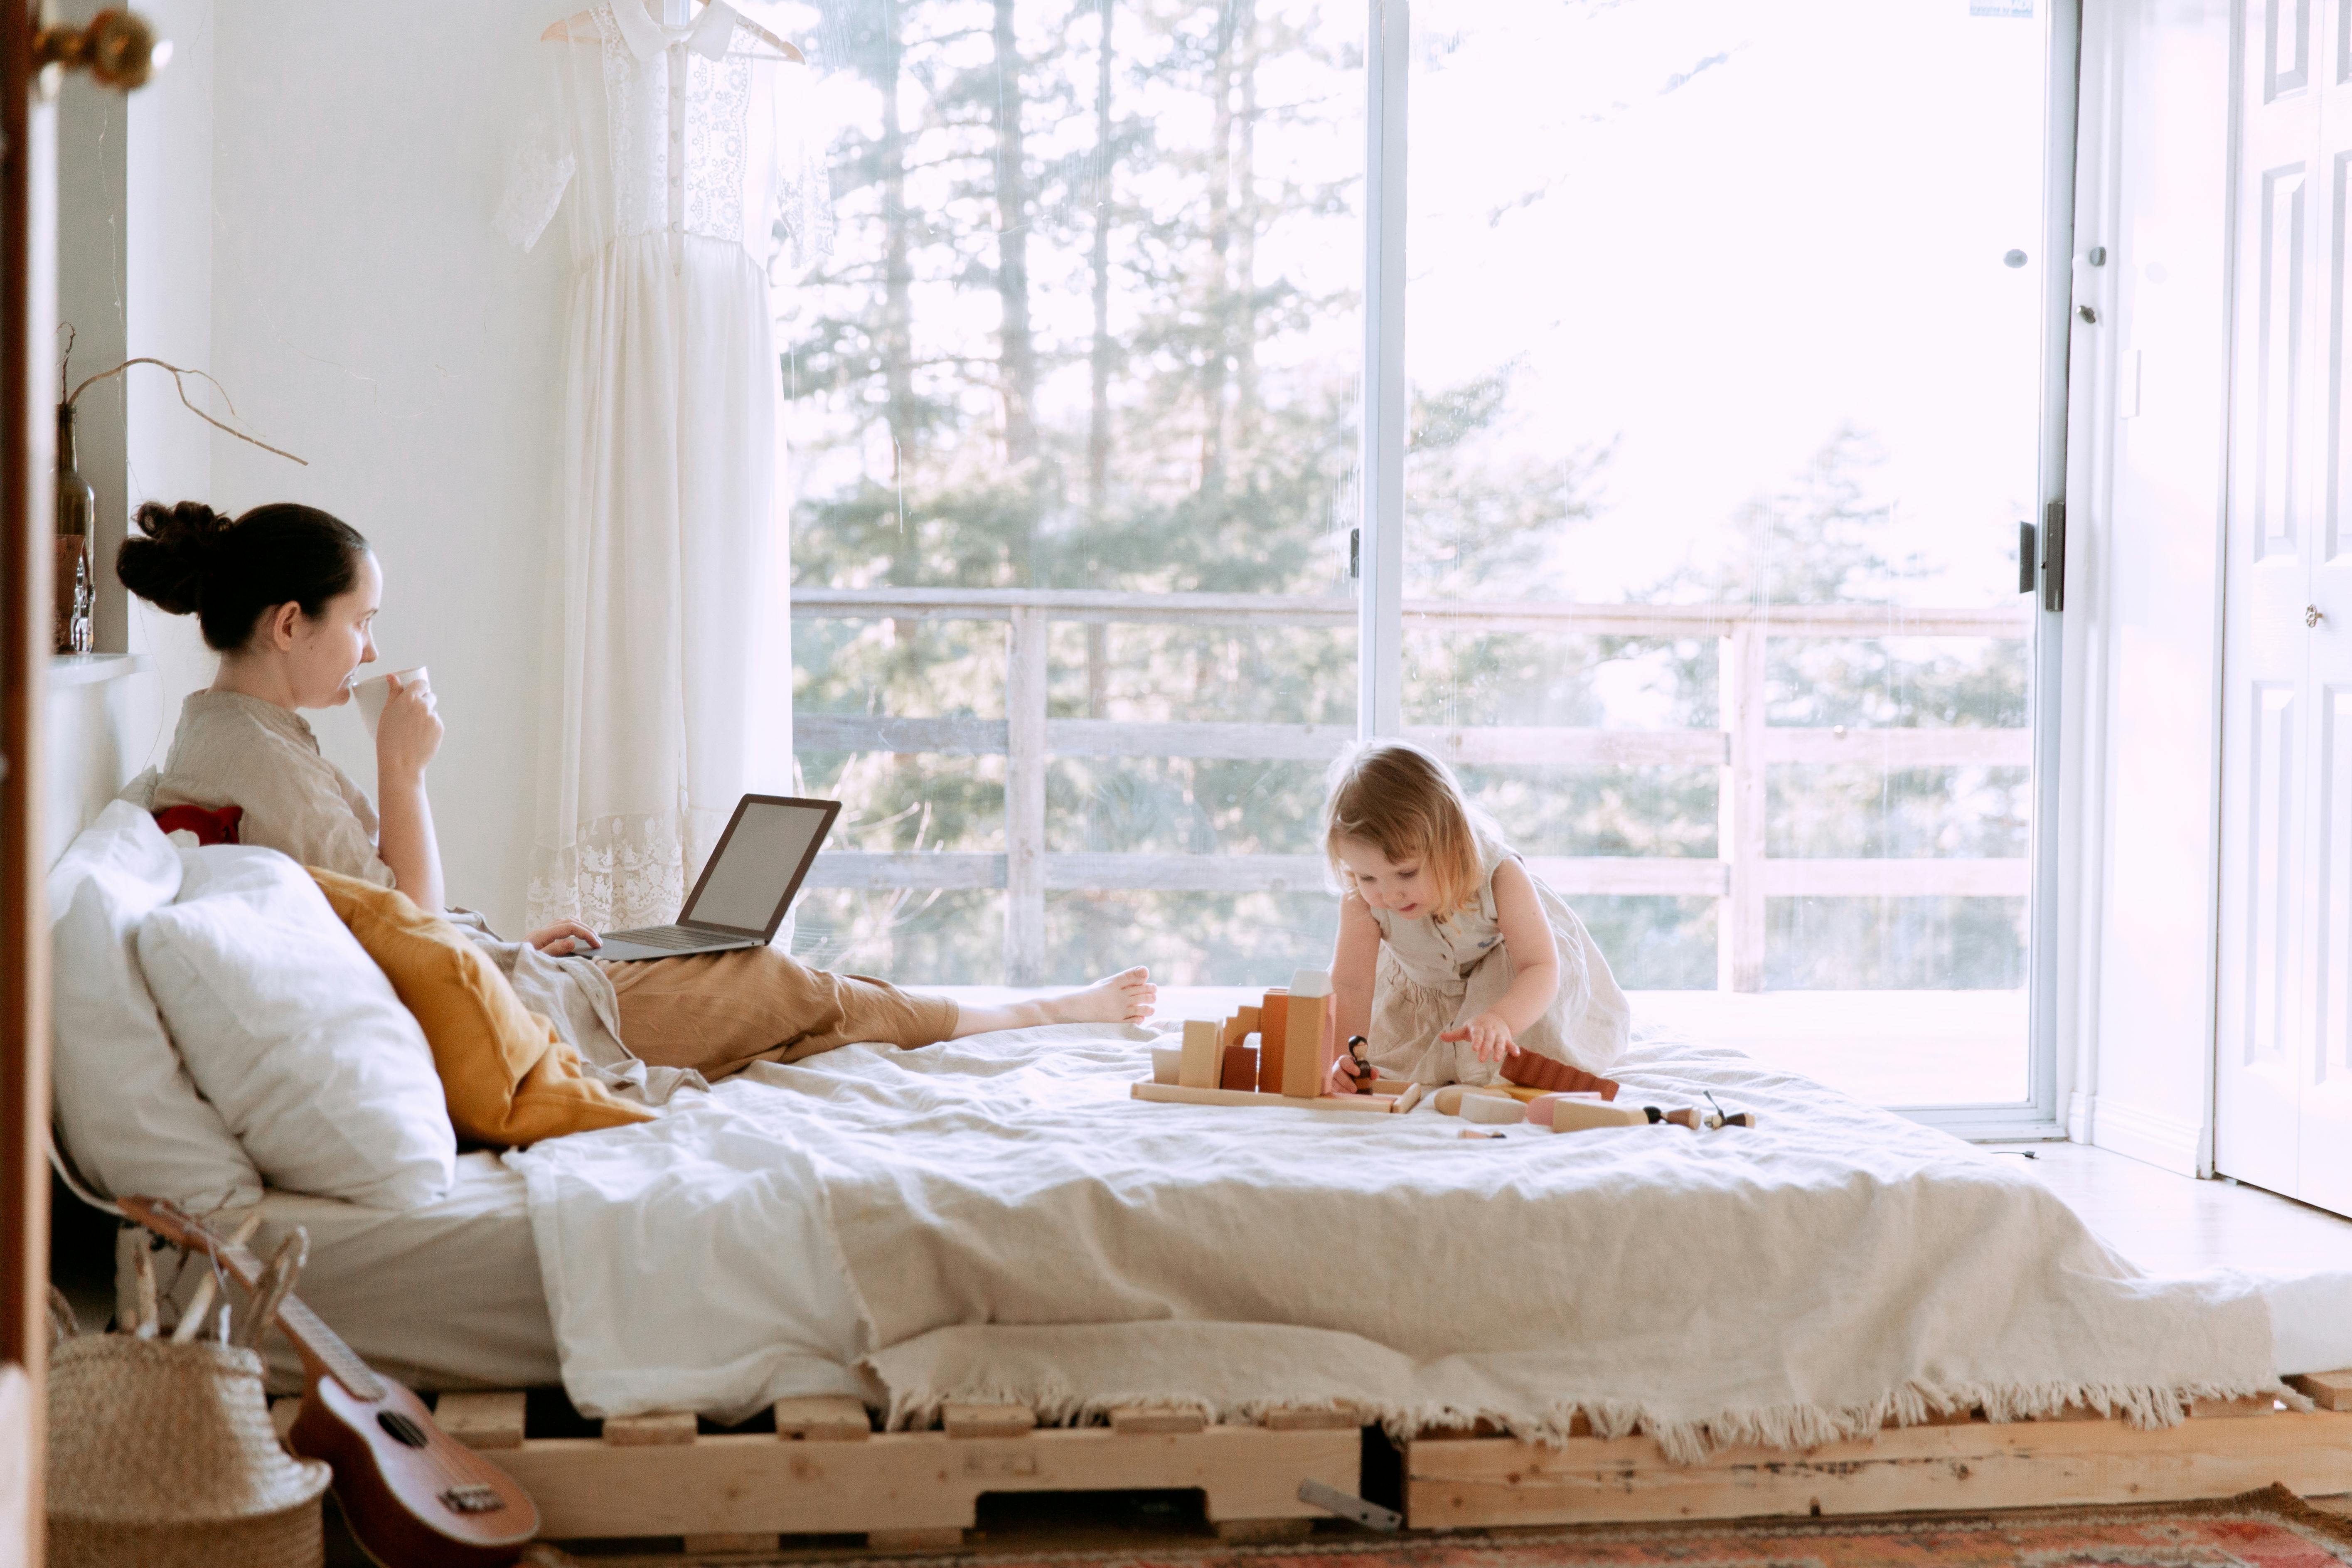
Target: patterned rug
2269, 1529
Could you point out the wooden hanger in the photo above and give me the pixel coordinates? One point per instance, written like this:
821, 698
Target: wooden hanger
565, 31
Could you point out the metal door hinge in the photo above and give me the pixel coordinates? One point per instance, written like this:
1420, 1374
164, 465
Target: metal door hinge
2053, 556
2025, 558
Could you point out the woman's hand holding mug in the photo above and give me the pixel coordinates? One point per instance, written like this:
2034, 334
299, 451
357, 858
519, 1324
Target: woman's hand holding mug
408, 735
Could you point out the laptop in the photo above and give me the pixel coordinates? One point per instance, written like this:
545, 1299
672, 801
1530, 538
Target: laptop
747, 887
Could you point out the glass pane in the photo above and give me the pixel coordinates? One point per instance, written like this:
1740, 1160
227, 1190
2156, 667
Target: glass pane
1725, 358
1087, 352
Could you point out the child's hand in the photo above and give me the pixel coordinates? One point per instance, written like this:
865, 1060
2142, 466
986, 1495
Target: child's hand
1489, 1037
1343, 1077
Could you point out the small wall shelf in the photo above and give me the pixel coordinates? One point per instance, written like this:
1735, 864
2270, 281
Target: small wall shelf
93, 668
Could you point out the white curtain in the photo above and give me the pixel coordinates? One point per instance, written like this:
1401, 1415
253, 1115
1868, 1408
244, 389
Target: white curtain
669, 667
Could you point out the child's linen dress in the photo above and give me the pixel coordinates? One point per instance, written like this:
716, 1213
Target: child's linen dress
1437, 974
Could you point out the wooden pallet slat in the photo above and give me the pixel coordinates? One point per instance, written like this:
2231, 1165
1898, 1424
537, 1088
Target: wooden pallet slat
742, 1540
986, 1420
1301, 1418
2329, 1390
1473, 1484
941, 1539
822, 1418
1146, 1420
659, 1429
2230, 1409
481, 1420
730, 1483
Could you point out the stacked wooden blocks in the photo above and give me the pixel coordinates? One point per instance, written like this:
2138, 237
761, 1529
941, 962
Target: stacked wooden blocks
1277, 1052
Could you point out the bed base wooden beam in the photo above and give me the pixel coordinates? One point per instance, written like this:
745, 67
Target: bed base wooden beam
825, 1472
1480, 1482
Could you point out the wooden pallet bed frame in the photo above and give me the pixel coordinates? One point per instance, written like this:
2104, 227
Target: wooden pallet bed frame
825, 1471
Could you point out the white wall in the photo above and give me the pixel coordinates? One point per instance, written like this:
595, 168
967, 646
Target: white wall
364, 316
167, 313
2139, 831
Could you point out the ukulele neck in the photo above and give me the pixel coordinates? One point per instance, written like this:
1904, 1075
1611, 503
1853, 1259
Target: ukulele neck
322, 1350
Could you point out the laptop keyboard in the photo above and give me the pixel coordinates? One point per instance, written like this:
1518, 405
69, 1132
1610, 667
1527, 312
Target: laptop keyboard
664, 936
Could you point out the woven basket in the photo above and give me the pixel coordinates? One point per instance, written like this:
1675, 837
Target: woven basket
163, 1454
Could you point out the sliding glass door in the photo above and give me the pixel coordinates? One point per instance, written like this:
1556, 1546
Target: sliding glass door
1726, 359
1726, 335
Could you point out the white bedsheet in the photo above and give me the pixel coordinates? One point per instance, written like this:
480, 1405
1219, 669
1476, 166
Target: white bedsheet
1012, 1225
446, 1295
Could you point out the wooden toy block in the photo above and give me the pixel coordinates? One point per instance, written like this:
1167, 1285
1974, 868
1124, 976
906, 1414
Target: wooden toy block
1450, 1098
1242, 1025
1273, 1020
1201, 1061
1308, 1042
1542, 1073
822, 1418
987, 1420
661, 1430
1176, 1094
1577, 1115
1492, 1108
481, 1420
1241, 1068
1167, 1062
1410, 1097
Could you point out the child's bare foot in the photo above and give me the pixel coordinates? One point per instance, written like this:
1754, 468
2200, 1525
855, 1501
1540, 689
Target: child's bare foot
1123, 998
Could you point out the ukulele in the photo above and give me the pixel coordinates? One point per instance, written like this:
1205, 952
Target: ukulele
412, 1495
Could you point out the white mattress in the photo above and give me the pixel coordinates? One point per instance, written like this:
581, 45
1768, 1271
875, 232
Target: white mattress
445, 1296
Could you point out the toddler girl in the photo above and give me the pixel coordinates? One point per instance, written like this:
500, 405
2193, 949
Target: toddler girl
1450, 951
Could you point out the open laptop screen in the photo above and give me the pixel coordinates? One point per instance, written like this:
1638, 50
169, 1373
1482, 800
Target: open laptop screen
759, 863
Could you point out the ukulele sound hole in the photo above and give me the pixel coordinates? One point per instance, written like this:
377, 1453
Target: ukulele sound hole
402, 1429
471, 1499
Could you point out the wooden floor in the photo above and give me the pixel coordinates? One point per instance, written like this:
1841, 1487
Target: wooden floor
2169, 1224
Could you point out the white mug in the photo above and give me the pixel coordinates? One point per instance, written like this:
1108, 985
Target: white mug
372, 694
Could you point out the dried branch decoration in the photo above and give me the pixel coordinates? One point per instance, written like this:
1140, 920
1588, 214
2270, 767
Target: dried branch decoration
179, 382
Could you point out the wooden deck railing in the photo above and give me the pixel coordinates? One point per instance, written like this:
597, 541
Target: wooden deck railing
1741, 878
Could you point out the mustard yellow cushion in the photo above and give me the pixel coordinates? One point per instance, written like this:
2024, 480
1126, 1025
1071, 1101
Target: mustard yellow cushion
509, 1076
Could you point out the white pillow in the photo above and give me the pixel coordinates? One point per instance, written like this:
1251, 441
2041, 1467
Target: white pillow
290, 1029
128, 1113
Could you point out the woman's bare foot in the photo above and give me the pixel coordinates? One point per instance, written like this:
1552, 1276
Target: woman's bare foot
1122, 998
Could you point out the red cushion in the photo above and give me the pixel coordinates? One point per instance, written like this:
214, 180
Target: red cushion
210, 827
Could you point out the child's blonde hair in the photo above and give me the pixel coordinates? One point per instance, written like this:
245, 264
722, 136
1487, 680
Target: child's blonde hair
1407, 805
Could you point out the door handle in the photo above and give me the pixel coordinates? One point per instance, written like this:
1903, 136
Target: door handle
118, 47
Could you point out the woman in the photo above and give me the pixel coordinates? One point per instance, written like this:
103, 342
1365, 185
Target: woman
288, 595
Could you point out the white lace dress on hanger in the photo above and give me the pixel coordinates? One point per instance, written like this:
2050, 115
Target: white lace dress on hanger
687, 173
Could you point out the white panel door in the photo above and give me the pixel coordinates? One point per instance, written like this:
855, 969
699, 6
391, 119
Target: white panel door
2283, 1090
2280, 448
2323, 1164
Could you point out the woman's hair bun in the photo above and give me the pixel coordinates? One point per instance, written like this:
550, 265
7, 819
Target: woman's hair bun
187, 559
164, 562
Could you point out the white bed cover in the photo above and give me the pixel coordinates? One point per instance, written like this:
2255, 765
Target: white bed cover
996, 1218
